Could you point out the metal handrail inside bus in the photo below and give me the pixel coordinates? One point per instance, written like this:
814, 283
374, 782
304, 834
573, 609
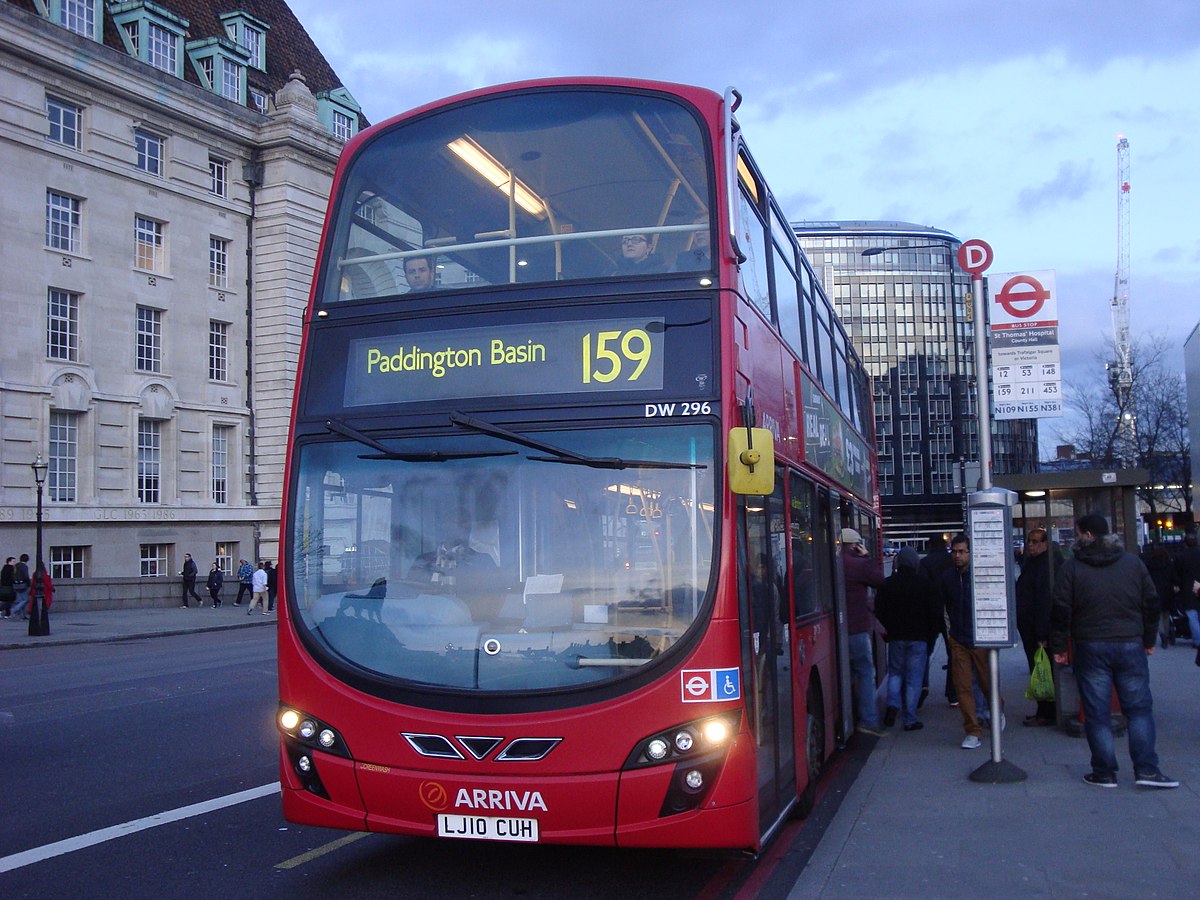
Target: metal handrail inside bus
519, 241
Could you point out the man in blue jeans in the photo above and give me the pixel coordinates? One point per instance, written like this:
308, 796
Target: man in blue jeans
861, 573
1105, 602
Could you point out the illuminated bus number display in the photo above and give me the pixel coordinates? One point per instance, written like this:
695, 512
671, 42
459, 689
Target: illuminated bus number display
635, 347
506, 360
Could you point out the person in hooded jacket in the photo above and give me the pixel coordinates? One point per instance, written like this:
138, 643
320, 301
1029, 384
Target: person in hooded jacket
1035, 596
1105, 604
908, 607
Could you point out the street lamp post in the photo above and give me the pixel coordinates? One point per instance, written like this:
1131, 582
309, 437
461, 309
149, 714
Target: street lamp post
39, 616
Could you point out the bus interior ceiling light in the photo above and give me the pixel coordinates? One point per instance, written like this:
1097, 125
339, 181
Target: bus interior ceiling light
490, 168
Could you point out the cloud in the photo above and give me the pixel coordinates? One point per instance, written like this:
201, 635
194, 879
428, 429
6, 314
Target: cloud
1072, 182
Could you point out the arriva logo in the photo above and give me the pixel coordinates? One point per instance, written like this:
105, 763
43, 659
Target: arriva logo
505, 800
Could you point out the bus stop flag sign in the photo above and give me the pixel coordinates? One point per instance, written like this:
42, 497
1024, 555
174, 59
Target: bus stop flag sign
1026, 370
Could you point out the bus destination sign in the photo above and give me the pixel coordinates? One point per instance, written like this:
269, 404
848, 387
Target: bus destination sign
587, 356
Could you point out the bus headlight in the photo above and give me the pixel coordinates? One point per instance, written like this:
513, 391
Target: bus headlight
310, 732
686, 741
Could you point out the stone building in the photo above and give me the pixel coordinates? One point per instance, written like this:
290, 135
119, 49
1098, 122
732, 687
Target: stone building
166, 166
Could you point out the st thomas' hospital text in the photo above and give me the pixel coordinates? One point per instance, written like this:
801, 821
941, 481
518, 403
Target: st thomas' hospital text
437, 362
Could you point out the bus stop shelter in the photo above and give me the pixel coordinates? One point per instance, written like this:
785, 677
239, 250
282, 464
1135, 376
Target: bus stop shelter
1054, 500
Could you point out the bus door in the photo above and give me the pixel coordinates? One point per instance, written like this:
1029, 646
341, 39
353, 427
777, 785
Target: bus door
765, 581
826, 502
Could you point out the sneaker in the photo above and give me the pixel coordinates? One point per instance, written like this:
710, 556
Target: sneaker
1157, 780
914, 726
183, 606
1105, 781
871, 729
971, 742
889, 717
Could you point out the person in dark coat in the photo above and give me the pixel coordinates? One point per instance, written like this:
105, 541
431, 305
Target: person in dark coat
1035, 597
933, 564
1187, 572
1162, 572
189, 574
1105, 605
272, 584
908, 607
216, 578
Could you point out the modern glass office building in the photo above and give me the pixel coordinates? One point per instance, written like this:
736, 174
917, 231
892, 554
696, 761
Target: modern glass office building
904, 302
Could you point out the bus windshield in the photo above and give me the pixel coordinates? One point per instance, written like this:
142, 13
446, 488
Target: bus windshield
526, 188
488, 561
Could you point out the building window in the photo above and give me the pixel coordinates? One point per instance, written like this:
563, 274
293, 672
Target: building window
226, 553
218, 351
64, 456
66, 122
250, 34
231, 80
66, 563
149, 251
150, 152
162, 48
149, 461
63, 222
218, 262
218, 177
220, 463
62, 325
149, 339
154, 560
78, 16
338, 112
259, 99
252, 40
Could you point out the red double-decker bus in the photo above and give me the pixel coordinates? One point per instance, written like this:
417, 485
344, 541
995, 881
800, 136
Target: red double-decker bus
575, 429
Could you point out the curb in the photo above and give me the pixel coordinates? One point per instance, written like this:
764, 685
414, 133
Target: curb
52, 641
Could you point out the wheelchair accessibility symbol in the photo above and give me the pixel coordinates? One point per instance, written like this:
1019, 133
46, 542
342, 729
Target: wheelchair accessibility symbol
705, 685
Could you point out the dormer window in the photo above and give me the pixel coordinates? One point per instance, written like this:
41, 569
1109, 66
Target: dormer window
151, 33
80, 16
221, 67
250, 34
338, 112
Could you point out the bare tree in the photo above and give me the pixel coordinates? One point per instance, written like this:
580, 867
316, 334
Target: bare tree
1158, 403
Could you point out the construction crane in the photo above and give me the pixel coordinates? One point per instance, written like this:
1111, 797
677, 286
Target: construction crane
1120, 371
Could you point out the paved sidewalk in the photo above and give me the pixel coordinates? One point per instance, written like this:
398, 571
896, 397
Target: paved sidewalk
914, 825
128, 624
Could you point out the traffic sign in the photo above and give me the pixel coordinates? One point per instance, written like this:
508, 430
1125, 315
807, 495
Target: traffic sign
1013, 300
974, 256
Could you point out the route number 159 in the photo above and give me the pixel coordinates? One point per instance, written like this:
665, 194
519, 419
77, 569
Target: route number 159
613, 351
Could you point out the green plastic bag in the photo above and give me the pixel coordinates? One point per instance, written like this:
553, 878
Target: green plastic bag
1041, 679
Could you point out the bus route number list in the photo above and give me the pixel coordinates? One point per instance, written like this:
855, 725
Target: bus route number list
989, 578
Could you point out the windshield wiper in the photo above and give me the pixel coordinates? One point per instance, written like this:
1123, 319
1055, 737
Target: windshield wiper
559, 454
418, 456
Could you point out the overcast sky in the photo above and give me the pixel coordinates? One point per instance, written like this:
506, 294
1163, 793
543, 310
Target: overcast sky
990, 120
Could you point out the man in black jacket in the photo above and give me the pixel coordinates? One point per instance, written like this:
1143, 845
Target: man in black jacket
1105, 602
1035, 594
908, 607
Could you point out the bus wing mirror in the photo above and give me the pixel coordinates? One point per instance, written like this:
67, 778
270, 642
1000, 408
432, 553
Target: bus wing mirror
751, 461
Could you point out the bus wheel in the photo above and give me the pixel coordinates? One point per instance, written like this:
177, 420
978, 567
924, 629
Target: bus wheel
814, 750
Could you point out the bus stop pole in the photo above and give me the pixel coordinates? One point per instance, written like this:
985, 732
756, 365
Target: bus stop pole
998, 770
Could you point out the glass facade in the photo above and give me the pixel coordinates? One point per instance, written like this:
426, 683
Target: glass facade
906, 308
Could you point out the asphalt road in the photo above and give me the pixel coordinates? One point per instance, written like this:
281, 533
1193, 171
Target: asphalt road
148, 769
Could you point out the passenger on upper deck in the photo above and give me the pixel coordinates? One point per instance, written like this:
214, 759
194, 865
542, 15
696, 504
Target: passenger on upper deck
698, 257
419, 273
637, 258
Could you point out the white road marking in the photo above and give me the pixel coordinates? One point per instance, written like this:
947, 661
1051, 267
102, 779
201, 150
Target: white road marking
70, 845
321, 851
